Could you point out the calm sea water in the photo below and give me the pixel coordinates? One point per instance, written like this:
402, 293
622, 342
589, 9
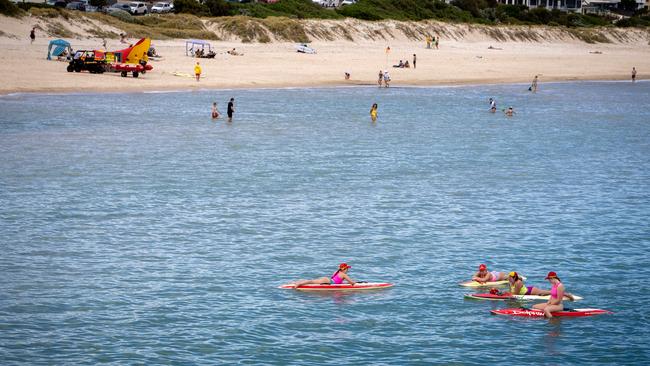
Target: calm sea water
135, 230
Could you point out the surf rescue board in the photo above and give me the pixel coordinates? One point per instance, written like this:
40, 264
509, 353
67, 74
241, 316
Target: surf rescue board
508, 296
359, 286
487, 284
534, 313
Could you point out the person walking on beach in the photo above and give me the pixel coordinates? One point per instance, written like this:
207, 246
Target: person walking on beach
381, 78
231, 109
215, 111
386, 79
197, 71
373, 112
414, 59
633, 74
437, 41
533, 86
32, 35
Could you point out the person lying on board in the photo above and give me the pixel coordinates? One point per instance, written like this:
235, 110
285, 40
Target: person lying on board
337, 278
517, 286
483, 276
557, 293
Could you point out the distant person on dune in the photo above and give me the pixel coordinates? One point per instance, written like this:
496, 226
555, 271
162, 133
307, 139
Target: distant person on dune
32, 34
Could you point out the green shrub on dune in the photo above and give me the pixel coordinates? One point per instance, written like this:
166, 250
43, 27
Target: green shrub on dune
404, 10
9, 9
301, 9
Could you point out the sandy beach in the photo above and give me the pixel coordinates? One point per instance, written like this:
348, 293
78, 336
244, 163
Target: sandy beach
461, 59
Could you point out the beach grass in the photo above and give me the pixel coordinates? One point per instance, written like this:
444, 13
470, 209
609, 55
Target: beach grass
167, 26
245, 28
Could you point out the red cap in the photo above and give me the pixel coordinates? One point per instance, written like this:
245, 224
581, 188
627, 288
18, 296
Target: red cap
551, 275
344, 266
482, 267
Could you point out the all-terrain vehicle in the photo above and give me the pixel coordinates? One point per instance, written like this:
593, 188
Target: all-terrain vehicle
95, 63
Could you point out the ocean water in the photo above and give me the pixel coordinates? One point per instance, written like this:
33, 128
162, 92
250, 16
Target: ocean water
136, 230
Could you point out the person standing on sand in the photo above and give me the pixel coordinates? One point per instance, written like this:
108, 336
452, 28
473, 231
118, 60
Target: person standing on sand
32, 35
381, 78
231, 109
215, 111
437, 41
197, 71
633, 74
386, 78
414, 58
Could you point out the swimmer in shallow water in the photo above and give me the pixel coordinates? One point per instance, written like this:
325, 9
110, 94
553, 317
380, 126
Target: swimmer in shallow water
493, 105
373, 112
215, 111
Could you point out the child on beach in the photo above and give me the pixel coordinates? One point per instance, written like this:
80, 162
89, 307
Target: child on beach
336, 279
197, 71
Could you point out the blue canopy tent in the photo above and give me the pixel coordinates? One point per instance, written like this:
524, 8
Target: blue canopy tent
191, 44
59, 46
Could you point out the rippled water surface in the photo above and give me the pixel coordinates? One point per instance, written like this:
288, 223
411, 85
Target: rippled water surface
135, 230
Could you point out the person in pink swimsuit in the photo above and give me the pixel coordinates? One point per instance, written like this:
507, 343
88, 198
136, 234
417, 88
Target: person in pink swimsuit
483, 275
557, 294
336, 279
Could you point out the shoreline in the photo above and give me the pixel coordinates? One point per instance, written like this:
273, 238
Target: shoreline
466, 56
333, 85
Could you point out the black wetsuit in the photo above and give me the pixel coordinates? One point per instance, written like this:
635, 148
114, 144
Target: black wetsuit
231, 109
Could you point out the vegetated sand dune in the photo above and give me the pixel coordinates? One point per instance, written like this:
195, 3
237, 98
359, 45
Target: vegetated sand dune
468, 53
